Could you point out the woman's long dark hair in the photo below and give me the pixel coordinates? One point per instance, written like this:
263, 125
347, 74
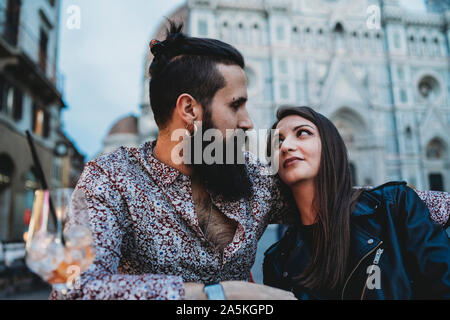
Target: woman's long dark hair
334, 200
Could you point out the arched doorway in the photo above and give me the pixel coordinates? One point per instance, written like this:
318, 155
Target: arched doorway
353, 130
436, 163
6, 177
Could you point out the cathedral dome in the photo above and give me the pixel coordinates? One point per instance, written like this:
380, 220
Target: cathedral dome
128, 125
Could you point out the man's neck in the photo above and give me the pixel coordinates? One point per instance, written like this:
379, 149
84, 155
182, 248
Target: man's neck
163, 152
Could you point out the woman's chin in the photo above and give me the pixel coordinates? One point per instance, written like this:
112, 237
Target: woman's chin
292, 180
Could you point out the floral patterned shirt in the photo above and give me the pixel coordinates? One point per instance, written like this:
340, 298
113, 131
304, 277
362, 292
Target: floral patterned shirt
146, 233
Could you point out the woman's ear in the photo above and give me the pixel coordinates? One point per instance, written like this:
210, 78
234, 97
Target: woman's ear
188, 109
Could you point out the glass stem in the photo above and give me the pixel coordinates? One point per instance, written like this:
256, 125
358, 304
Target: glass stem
61, 288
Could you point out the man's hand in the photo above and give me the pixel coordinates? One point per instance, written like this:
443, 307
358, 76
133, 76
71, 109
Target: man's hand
239, 290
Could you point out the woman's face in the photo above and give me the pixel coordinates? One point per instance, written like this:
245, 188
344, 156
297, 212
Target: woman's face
299, 150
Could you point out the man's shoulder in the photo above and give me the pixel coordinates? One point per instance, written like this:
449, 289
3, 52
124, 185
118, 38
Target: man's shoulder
116, 161
114, 157
254, 164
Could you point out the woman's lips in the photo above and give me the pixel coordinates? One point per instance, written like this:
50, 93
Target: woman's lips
291, 161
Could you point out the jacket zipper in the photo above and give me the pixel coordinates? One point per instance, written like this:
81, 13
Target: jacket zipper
354, 269
375, 262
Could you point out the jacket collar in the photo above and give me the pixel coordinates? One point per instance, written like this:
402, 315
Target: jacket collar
367, 204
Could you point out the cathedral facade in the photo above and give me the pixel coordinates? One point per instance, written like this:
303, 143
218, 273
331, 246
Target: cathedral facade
377, 70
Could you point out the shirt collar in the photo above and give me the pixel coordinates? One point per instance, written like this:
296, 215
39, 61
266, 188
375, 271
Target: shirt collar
159, 171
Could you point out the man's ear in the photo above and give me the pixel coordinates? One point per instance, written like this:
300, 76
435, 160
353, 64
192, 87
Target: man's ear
188, 109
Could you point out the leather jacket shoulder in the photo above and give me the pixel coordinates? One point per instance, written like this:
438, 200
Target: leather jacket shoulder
396, 251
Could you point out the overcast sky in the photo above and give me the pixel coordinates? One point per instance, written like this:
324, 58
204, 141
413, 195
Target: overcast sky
103, 63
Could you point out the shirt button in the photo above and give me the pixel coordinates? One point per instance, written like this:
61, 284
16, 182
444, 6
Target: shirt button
285, 274
376, 207
370, 241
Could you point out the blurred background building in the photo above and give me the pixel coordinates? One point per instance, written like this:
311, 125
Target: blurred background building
31, 99
378, 70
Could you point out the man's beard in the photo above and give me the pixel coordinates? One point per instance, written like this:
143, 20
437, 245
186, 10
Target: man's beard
231, 181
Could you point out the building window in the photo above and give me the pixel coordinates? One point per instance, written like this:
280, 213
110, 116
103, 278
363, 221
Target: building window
252, 80
436, 182
401, 73
408, 132
202, 28
268, 96
17, 104
256, 35
435, 149
403, 96
429, 87
397, 40
10, 100
224, 31
280, 32
43, 44
282, 66
11, 30
338, 28
284, 91
41, 122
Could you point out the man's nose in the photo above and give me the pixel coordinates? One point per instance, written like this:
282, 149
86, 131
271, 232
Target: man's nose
245, 122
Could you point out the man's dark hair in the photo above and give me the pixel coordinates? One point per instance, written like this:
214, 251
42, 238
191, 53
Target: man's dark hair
184, 64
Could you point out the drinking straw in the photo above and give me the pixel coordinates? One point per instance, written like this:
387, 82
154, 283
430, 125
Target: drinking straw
41, 178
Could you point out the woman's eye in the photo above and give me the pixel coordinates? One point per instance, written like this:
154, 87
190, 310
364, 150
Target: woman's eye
303, 133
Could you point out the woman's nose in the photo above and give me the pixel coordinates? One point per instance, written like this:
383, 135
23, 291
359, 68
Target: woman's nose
287, 145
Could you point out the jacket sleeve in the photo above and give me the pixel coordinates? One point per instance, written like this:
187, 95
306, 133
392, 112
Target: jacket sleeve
427, 247
103, 280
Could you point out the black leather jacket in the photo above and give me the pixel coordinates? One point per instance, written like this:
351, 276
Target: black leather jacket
392, 235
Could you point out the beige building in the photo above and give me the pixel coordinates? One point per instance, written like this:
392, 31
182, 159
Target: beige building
30, 99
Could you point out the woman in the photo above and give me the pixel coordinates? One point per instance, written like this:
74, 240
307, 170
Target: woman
377, 243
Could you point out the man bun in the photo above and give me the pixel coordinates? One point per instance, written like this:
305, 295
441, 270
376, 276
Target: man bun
165, 51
